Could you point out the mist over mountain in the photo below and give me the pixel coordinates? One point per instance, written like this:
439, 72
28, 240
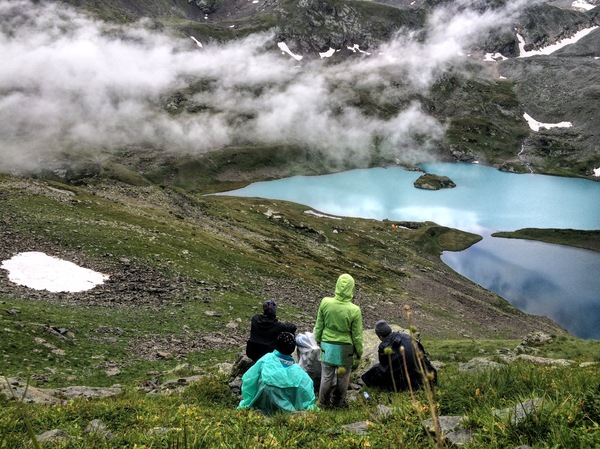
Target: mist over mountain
364, 82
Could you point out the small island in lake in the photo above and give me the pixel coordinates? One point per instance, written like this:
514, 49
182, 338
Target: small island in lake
429, 181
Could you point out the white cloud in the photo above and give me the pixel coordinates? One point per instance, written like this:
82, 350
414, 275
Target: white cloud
70, 83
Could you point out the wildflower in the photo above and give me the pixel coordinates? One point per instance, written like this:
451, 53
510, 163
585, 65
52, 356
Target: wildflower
389, 351
341, 370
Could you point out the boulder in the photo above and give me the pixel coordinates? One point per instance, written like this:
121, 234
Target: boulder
429, 181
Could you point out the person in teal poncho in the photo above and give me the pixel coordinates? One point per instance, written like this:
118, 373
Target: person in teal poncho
339, 334
277, 383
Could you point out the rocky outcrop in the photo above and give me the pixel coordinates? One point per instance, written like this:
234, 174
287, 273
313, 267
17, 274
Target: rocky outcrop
58, 436
429, 181
18, 389
312, 26
454, 432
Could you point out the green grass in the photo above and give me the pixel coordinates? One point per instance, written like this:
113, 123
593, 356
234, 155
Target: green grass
205, 415
100, 337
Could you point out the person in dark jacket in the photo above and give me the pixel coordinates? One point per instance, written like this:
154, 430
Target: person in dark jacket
399, 367
264, 330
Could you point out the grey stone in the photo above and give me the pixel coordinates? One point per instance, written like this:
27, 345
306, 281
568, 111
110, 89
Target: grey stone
240, 366
19, 390
459, 437
536, 338
225, 368
236, 386
73, 392
450, 428
383, 410
520, 411
99, 428
112, 372
544, 360
446, 423
360, 428
53, 436
479, 363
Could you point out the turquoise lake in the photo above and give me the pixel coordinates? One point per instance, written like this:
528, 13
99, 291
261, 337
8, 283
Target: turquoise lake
560, 282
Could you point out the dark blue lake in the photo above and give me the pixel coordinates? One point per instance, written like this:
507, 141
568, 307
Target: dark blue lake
560, 282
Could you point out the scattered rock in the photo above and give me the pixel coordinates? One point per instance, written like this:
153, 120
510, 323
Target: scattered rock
479, 363
112, 372
97, 427
383, 411
445, 423
232, 325
544, 360
533, 340
360, 428
240, 366
76, 391
454, 432
225, 368
53, 436
17, 389
450, 428
236, 387
164, 355
520, 411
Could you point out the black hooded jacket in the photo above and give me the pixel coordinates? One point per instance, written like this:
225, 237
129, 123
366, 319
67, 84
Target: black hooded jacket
264, 330
393, 364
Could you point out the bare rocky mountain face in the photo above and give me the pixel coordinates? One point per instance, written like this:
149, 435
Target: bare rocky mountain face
480, 102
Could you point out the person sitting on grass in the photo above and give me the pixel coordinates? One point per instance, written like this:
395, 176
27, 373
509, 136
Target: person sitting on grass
264, 330
403, 362
277, 383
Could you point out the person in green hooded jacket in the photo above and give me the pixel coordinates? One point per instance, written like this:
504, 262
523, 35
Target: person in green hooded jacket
339, 333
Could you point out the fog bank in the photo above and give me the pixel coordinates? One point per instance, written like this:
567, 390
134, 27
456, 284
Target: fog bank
69, 83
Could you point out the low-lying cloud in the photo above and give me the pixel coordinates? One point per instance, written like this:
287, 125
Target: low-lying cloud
69, 83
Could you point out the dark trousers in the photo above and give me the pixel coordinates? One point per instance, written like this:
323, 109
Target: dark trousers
377, 377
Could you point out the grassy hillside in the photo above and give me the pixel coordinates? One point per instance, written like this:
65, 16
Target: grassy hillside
186, 273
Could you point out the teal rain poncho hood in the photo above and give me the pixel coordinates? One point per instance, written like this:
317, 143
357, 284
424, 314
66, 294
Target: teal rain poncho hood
275, 382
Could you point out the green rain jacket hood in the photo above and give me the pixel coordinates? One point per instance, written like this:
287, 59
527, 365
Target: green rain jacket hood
338, 319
